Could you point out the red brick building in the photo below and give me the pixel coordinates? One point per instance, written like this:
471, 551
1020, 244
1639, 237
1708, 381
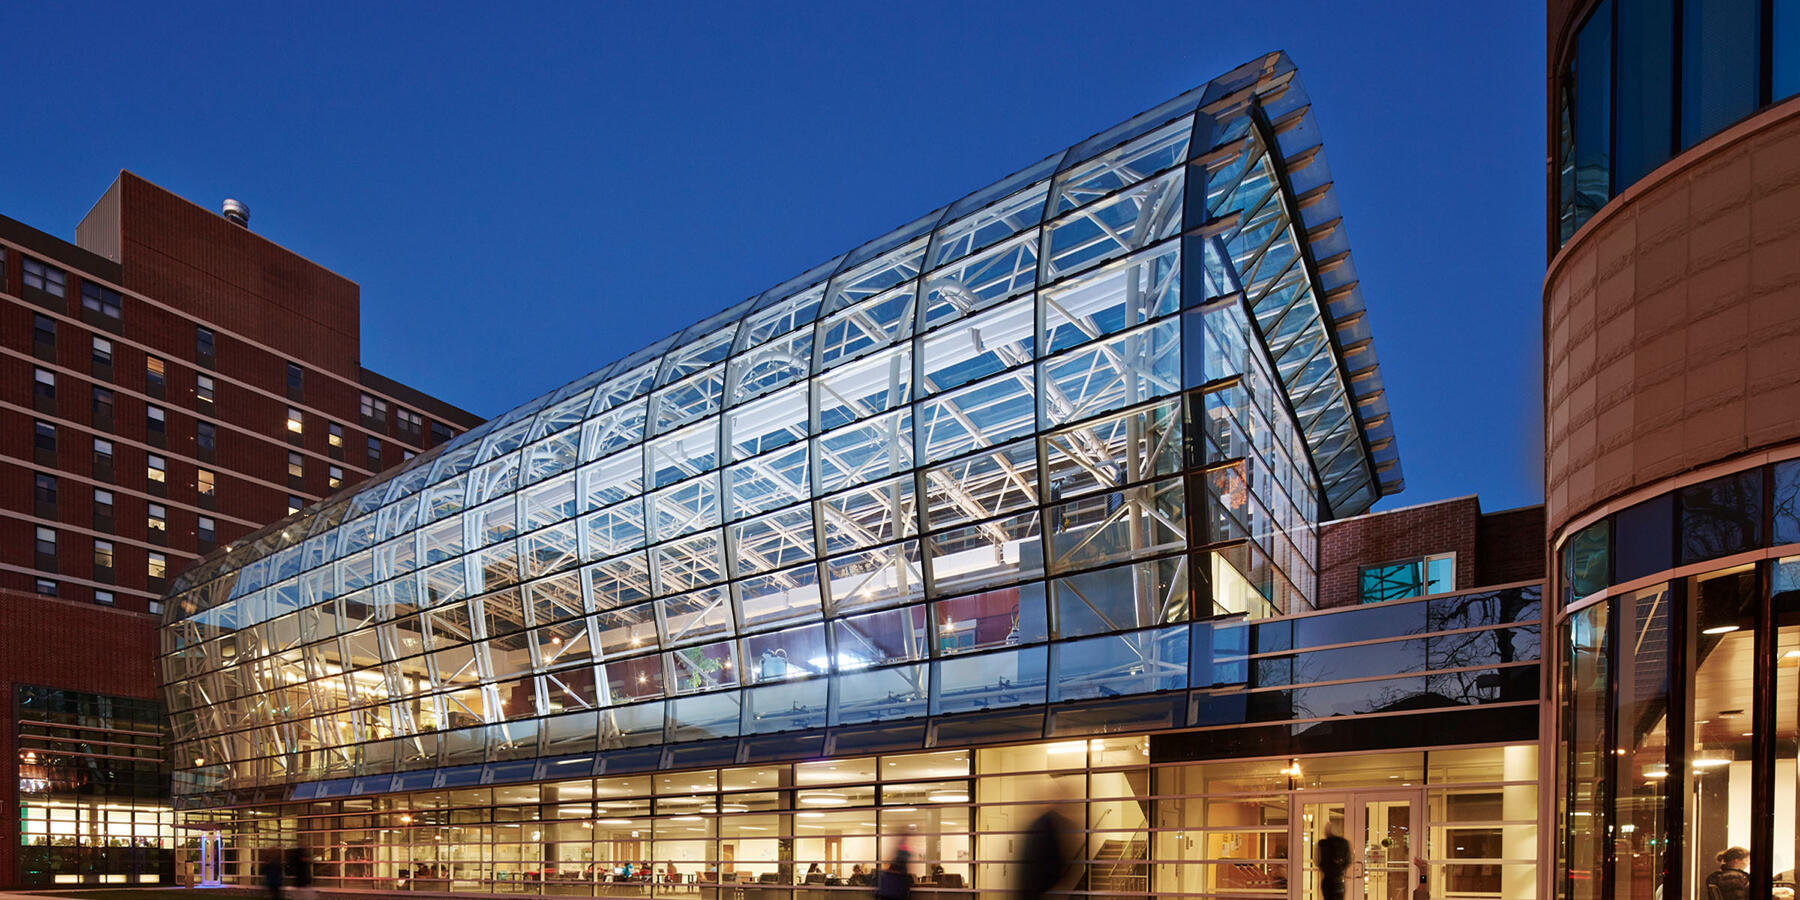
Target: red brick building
168, 383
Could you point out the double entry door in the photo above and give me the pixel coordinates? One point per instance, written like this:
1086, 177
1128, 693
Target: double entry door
1384, 831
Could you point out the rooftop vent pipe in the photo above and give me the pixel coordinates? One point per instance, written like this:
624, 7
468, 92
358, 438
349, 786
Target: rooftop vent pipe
235, 212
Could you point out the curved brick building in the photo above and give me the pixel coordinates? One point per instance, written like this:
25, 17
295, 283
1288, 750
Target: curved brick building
1672, 383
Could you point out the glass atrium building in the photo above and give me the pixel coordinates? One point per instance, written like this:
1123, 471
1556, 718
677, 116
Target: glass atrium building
1018, 503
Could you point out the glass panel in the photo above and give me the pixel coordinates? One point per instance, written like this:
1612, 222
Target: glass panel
1112, 299
1721, 516
1121, 598
993, 552
1124, 166
1109, 452
862, 389
769, 481
777, 598
981, 281
983, 485
874, 324
897, 635
1583, 806
1117, 372
689, 451
885, 576
614, 530
1588, 182
976, 348
980, 415
1718, 65
1118, 526
872, 514
687, 400
772, 541
612, 479
766, 424
769, 366
1642, 713
1130, 220
986, 226
988, 681
1646, 84
1787, 502
864, 451
999, 618
1720, 669
1785, 645
612, 431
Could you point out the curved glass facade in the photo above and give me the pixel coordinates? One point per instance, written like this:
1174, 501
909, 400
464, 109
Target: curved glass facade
996, 460
1679, 689
1647, 79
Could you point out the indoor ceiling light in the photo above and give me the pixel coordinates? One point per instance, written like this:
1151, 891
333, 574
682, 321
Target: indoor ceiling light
948, 796
1712, 759
1719, 629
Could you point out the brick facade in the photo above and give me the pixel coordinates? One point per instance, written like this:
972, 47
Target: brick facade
1496, 548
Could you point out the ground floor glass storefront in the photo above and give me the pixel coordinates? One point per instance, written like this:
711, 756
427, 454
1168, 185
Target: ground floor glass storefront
93, 789
1236, 828
1679, 693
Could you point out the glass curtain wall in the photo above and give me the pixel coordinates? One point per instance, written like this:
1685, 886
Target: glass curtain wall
1676, 743
1647, 79
995, 460
1130, 826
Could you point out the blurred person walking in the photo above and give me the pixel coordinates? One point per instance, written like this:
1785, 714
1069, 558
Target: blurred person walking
271, 872
1043, 862
895, 881
299, 872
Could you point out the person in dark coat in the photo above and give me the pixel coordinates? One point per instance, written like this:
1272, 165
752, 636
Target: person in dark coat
1731, 881
1043, 861
299, 871
895, 881
271, 872
1334, 862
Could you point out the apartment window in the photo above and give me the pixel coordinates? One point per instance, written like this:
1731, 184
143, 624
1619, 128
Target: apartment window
103, 509
101, 302
103, 460
205, 346
203, 393
296, 468
334, 440
334, 477
156, 474
102, 360
407, 455
156, 522
296, 424
375, 454
43, 390
43, 337
40, 277
440, 433
46, 587
44, 495
43, 442
46, 548
103, 561
411, 423
104, 598
1415, 577
206, 533
155, 607
295, 504
156, 380
206, 440
157, 568
296, 382
156, 425
206, 483
103, 410
374, 412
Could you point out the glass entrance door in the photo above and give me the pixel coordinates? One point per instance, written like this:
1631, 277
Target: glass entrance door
1362, 840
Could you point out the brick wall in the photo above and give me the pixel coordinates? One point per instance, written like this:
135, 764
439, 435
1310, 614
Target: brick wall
1496, 548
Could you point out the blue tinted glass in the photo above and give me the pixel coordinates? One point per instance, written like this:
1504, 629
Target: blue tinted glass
1586, 568
1592, 115
1646, 93
1719, 41
1645, 541
1786, 38
1787, 502
1721, 516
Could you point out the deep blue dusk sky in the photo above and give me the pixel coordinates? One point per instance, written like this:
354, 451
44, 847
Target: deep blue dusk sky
526, 193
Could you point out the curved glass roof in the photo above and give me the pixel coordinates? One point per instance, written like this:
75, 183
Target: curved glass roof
1313, 321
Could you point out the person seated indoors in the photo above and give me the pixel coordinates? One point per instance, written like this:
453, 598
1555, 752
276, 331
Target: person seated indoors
858, 875
1731, 881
